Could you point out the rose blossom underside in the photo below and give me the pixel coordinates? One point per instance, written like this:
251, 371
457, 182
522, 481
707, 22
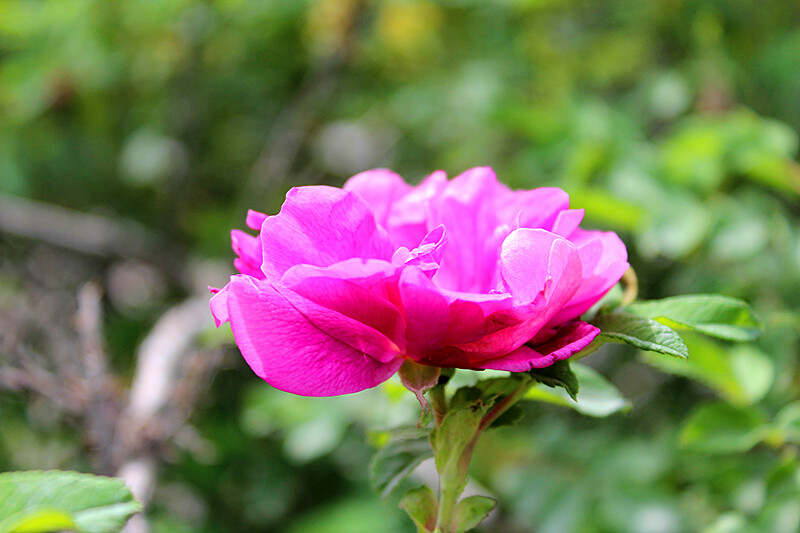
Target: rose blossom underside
343, 285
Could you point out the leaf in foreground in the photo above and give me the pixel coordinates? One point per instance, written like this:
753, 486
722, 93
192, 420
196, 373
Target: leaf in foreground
37, 501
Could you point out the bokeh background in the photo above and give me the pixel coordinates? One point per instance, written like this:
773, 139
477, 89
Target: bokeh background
134, 135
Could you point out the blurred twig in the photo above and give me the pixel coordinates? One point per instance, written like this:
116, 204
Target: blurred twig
100, 399
198, 369
160, 354
41, 382
89, 322
90, 234
147, 420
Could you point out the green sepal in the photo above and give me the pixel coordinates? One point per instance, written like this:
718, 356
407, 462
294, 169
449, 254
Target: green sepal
419, 378
558, 374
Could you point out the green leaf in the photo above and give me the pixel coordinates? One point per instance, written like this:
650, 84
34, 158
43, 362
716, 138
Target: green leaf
729, 522
420, 504
782, 516
36, 501
784, 478
472, 510
742, 374
723, 428
787, 422
557, 375
712, 314
640, 332
597, 397
391, 464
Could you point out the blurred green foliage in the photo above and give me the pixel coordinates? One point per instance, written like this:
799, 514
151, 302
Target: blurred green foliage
673, 122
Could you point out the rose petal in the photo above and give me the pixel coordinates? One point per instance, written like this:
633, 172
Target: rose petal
427, 255
473, 316
285, 349
248, 248
219, 306
531, 257
426, 311
568, 340
605, 261
360, 290
466, 208
542, 271
407, 222
379, 188
255, 219
535, 208
567, 221
320, 226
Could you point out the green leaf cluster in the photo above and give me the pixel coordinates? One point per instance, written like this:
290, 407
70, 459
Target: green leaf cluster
656, 328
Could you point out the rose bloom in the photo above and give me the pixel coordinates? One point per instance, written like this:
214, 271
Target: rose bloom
343, 285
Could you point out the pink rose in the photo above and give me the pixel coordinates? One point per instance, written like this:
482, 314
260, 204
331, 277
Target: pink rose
343, 285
